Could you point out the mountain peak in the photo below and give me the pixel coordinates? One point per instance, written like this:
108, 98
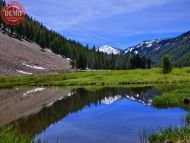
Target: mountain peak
109, 50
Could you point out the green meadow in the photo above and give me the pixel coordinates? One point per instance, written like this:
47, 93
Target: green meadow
112, 77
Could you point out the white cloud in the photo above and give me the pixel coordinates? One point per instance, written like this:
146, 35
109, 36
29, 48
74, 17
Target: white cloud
68, 13
111, 21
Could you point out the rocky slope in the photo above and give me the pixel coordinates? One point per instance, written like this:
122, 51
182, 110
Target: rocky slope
24, 58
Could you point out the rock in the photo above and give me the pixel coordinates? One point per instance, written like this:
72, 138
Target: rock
186, 101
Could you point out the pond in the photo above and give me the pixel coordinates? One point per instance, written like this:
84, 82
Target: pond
105, 115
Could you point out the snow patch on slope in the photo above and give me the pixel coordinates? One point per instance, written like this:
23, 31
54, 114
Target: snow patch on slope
50, 51
143, 47
23, 72
34, 67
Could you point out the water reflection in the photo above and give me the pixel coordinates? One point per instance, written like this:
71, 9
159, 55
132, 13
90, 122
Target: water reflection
141, 95
17, 103
105, 115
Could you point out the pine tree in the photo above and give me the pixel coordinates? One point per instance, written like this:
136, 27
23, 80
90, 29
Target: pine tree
143, 62
149, 62
82, 61
166, 65
42, 40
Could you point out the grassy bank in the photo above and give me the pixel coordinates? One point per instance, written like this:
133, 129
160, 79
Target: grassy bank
173, 95
178, 135
139, 76
9, 135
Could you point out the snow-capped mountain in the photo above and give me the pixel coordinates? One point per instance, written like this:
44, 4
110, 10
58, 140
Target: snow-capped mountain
144, 47
109, 50
178, 48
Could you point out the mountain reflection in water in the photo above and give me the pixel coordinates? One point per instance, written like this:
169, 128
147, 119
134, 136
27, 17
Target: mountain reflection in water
36, 123
106, 115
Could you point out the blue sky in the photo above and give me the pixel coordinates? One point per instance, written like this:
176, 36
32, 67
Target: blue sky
119, 23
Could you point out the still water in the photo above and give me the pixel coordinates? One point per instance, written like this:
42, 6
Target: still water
106, 115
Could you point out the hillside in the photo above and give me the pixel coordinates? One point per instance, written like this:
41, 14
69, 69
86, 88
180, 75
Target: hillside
22, 57
143, 48
177, 48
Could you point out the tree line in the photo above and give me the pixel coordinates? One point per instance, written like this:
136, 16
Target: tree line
81, 56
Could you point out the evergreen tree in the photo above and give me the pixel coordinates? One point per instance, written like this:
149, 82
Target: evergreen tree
82, 61
149, 62
143, 63
42, 40
166, 65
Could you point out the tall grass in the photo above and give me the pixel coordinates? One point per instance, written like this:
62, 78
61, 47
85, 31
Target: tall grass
143, 136
10, 135
177, 135
173, 95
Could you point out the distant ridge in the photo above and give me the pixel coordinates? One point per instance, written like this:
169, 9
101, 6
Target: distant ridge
177, 48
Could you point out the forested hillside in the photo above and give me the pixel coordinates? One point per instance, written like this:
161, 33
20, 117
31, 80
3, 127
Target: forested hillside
82, 57
177, 48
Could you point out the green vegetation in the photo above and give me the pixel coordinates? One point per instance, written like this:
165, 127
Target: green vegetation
9, 135
178, 135
121, 77
166, 65
173, 95
178, 48
181, 135
187, 118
